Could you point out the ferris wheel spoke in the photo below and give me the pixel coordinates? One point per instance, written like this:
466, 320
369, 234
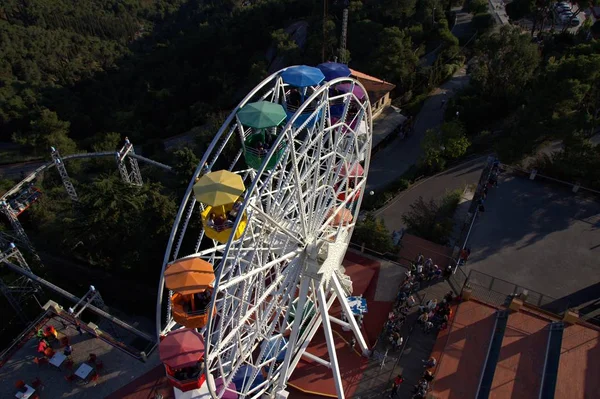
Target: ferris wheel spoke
269, 220
252, 273
250, 312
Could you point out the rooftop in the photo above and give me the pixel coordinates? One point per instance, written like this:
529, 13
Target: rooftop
376, 88
537, 235
461, 355
119, 367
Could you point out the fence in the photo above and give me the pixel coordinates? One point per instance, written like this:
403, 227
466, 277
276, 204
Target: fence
574, 186
498, 292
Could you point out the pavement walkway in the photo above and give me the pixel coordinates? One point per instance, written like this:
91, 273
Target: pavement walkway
434, 187
396, 158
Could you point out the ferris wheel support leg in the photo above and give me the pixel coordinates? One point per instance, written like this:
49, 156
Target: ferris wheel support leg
335, 369
297, 323
337, 286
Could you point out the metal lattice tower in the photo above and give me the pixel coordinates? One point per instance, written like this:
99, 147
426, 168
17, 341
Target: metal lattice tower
16, 225
134, 176
62, 170
22, 288
343, 59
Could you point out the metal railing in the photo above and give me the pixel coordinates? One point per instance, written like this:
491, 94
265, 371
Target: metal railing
19, 340
497, 291
552, 179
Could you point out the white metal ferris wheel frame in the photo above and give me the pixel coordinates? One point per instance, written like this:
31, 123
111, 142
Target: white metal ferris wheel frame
319, 293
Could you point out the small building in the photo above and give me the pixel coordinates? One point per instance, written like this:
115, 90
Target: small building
377, 89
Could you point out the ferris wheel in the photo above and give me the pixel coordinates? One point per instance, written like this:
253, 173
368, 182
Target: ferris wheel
291, 162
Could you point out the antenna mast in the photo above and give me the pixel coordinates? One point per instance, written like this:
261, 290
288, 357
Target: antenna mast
343, 59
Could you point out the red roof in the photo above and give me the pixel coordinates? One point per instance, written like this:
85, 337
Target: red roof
376, 88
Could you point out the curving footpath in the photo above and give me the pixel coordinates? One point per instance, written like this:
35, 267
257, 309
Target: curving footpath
395, 159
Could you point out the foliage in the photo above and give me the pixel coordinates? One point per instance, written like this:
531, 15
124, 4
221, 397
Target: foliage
478, 6
47, 131
431, 146
595, 29
433, 220
185, 163
285, 46
454, 139
518, 9
106, 142
373, 234
397, 61
505, 63
119, 225
5, 185
482, 22
578, 161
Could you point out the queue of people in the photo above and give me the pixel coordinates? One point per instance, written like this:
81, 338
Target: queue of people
434, 315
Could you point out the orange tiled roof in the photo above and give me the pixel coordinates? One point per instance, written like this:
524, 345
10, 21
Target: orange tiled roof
376, 88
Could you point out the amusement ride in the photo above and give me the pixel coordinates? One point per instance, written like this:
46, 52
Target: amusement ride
274, 226
254, 260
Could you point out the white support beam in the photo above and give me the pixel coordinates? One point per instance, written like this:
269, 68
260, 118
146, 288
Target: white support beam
296, 324
317, 359
337, 286
335, 369
339, 322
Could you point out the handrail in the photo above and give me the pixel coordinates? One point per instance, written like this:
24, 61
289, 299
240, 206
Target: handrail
28, 330
199, 312
257, 153
518, 169
225, 226
307, 110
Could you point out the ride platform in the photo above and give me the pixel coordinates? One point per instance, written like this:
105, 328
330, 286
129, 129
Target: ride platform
311, 379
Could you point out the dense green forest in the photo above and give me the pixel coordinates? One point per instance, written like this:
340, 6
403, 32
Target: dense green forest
153, 69
82, 75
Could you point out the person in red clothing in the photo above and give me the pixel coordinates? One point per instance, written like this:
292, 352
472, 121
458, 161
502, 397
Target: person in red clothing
397, 381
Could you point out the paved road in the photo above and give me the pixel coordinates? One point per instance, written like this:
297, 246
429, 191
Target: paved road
396, 158
432, 188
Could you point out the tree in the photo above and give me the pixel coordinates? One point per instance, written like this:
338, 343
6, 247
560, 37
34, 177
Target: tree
373, 234
119, 225
595, 30
285, 46
395, 59
46, 131
106, 142
185, 163
453, 139
478, 7
432, 220
432, 151
482, 22
505, 63
519, 9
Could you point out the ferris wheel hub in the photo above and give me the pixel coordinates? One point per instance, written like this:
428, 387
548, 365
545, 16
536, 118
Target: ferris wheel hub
322, 259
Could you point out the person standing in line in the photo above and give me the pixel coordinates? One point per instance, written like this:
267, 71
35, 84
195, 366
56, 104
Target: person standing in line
397, 381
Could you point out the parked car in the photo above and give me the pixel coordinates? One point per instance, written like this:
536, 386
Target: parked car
566, 16
563, 12
562, 6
